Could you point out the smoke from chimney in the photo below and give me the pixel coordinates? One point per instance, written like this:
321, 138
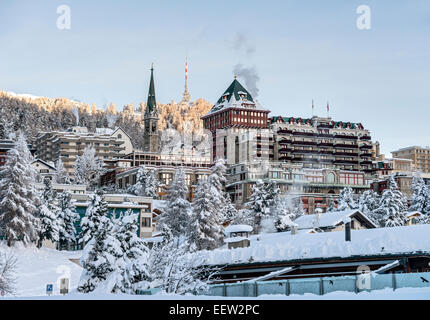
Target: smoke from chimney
75, 112
250, 76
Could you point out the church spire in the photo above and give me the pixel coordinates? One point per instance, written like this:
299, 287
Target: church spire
151, 103
187, 96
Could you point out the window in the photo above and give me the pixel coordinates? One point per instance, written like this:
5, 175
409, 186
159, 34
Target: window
146, 223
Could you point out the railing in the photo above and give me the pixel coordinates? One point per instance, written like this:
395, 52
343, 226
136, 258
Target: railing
322, 285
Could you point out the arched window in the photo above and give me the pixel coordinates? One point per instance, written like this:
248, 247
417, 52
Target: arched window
331, 177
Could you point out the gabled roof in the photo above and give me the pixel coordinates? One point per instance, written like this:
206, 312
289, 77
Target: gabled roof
330, 219
45, 163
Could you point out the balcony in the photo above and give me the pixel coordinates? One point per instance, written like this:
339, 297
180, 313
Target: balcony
307, 134
297, 142
366, 146
285, 150
345, 161
285, 141
365, 137
340, 144
304, 151
341, 136
326, 144
284, 131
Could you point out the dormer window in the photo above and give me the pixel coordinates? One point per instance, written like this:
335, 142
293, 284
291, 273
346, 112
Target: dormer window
243, 95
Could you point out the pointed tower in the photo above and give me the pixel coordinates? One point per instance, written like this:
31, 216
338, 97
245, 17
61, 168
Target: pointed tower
187, 96
151, 138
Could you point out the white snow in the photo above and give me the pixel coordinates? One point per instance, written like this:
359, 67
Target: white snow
38, 267
284, 246
385, 294
328, 219
238, 228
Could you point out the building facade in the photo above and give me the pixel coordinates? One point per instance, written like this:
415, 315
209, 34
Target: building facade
419, 155
313, 158
108, 144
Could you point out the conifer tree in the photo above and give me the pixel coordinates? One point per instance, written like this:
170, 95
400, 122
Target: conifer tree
177, 212
368, 203
18, 195
100, 259
48, 214
68, 218
346, 200
231, 212
132, 270
97, 209
61, 175
392, 206
209, 230
420, 199
217, 181
88, 167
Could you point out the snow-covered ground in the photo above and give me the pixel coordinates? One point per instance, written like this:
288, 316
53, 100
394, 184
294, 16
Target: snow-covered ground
38, 267
386, 294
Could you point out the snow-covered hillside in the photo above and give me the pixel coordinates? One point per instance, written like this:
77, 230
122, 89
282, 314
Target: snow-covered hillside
38, 267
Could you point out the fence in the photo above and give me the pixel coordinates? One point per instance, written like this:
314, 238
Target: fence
320, 286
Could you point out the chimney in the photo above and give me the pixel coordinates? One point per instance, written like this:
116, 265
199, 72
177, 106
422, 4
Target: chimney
348, 230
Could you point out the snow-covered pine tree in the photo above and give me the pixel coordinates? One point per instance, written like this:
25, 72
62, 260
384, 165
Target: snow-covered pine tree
368, 203
420, 199
61, 175
49, 214
139, 187
88, 167
231, 212
208, 219
286, 211
133, 271
392, 206
331, 205
68, 218
217, 182
18, 195
177, 213
146, 183
97, 209
152, 183
100, 259
175, 270
259, 204
346, 200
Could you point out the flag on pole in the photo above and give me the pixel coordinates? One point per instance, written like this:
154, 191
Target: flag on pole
328, 107
313, 107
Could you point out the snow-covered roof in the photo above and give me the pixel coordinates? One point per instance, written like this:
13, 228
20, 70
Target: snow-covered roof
108, 131
238, 228
158, 204
366, 242
328, 219
413, 213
